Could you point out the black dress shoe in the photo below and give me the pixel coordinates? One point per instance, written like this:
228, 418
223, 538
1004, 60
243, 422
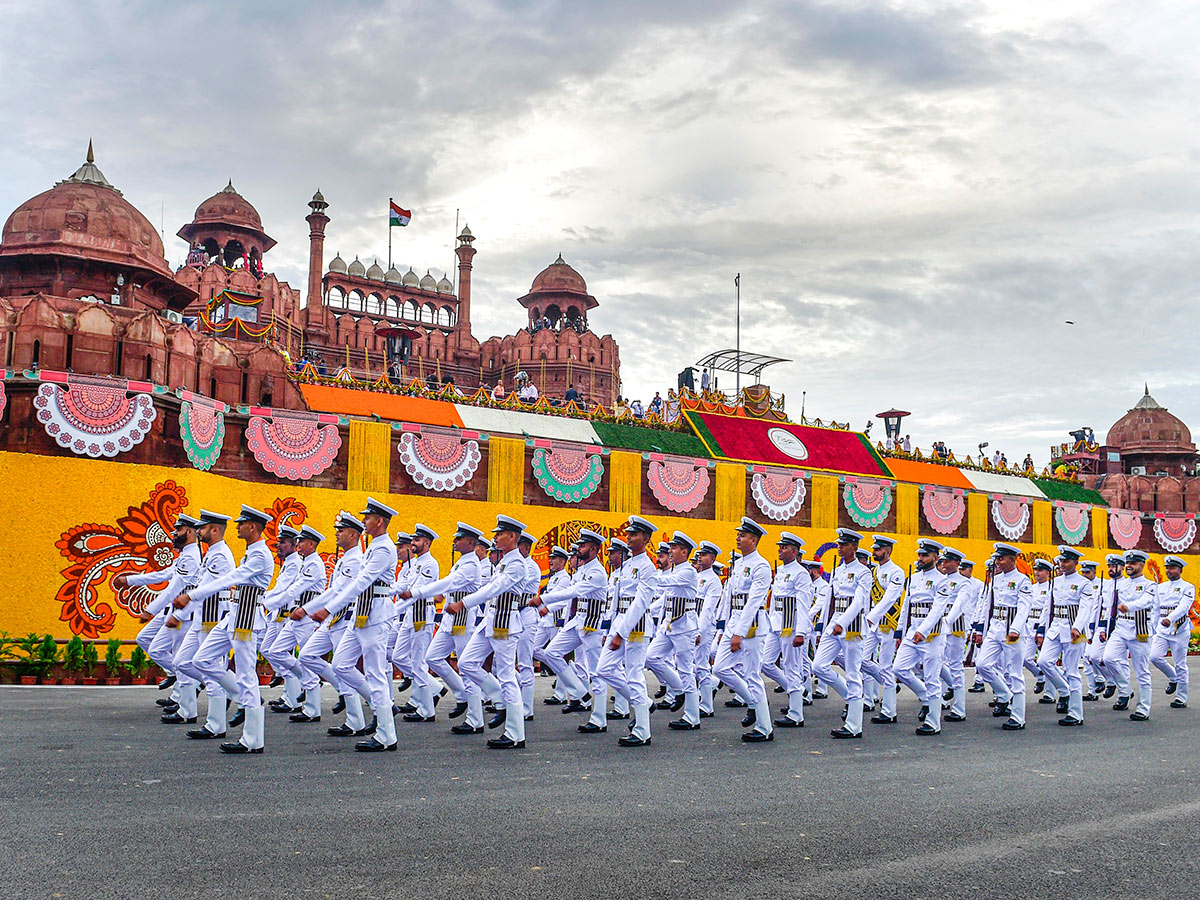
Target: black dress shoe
754, 736
735, 703
203, 734
369, 728
706, 715
1178, 704
1064, 704
303, 717
947, 696
1099, 686
1013, 725
633, 741
881, 719
1001, 711
238, 747
406, 709
845, 733
374, 745
301, 697
1046, 700
417, 717
504, 742
1121, 704
786, 722
284, 708
340, 706
460, 708
529, 718
165, 701
1039, 686
975, 689
167, 682
807, 702
498, 719
1139, 716
553, 701
439, 695
953, 717
275, 681
576, 706
342, 730
925, 729
663, 704
661, 692
992, 703
923, 713
176, 719
779, 689
403, 685
614, 716
1070, 721
395, 710
820, 695
1171, 686
489, 706
1090, 697
749, 718
238, 718
1109, 691
591, 728
677, 703
464, 728
683, 725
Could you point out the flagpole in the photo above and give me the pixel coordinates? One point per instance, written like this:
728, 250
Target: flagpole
737, 284
389, 215
453, 267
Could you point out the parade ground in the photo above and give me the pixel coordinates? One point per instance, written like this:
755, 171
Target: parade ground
100, 800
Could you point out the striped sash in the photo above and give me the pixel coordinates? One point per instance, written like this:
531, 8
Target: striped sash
638, 633
958, 627
595, 614
1066, 611
892, 618
459, 624
246, 596
366, 600
680, 606
1141, 623
1004, 614
787, 606
737, 603
210, 610
505, 605
840, 605
919, 609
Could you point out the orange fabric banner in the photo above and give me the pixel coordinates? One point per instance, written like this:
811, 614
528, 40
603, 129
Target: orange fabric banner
347, 402
928, 473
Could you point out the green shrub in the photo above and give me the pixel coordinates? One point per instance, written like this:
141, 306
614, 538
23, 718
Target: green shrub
47, 654
91, 658
138, 663
73, 655
112, 658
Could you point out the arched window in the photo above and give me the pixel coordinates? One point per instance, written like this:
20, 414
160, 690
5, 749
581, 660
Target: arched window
336, 296
149, 367
428, 313
356, 300
375, 304
393, 307
410, 310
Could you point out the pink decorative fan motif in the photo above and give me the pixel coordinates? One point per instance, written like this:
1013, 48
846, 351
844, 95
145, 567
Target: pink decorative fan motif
944, 510
1125, 526
94, 416
678, 484
1010, 516
1174, 533
292, 445
780, 495
439, 461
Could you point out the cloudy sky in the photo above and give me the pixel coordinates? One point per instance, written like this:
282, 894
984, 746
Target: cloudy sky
918, 195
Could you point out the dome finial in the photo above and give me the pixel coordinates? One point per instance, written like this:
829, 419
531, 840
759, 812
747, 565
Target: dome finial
91, 156
1146, 384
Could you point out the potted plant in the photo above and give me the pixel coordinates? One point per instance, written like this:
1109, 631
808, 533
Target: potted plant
91, 659
138, 663
25, 663
112, 662
73, 660
47, 657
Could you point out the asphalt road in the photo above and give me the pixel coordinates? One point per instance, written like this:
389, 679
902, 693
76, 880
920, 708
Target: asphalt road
97, 799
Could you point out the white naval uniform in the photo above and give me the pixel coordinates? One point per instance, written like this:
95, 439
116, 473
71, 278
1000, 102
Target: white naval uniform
1029, 647
1116, 669
239, 631
180, 575
708, 605
741, 669
326, 637
962, 611
1000, 663
623, 668
770, 645
218, 560
822, 597
453, 632
584, 596
367, 598
1093, 654
850, 595
879, 641
281, 653
1071, 605
792, 596
1128, 639
497, 637
289, 571
423, 570
672, 653
930, 594
1175, 599
529, 620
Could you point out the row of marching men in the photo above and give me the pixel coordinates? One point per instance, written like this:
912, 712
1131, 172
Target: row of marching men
600, 632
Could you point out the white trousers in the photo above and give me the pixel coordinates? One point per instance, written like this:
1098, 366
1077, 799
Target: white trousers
501, 680
1177, 645
1123, 644
374, 682
163, 645
1001, 665
741, 669
1068, 681
878, 659
671, 657
212, 660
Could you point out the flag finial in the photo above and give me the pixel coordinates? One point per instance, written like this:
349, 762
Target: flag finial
91, 155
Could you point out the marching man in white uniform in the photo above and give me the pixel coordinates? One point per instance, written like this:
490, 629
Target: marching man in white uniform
239, 630
1064, 626
280, 653
422, 571
1001, 659
841, 636
791, 599
708, 605
962, 610
1173, 629
887, 592
1137, 601
738, 663
289, 570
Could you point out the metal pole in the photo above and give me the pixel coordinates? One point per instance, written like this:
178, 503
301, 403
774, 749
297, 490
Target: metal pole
389, 214
453, 267
737, 285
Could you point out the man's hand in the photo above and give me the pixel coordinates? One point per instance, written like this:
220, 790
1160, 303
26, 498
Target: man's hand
1013, 637
1122, 608
1076, 634
542, 610
735, 643
172, 622
405, 595
1103, 637
454, 607
1166, 623
320, 616
918, 637
1038, 640
120, 581
837, 629
977, 639
798, 641
145, 617
182, 600
298, 614
615, 642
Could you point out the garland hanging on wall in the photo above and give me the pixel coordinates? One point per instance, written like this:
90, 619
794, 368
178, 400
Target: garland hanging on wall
779, 494
95, 416
1072, 521
3, 396
678, 484
1125, 526
867, 502
1010, 516
202, 428
568, 473
293, 445
1174, 533
440, 461
944, 509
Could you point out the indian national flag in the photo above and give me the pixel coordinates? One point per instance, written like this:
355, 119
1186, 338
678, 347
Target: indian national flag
398, 216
